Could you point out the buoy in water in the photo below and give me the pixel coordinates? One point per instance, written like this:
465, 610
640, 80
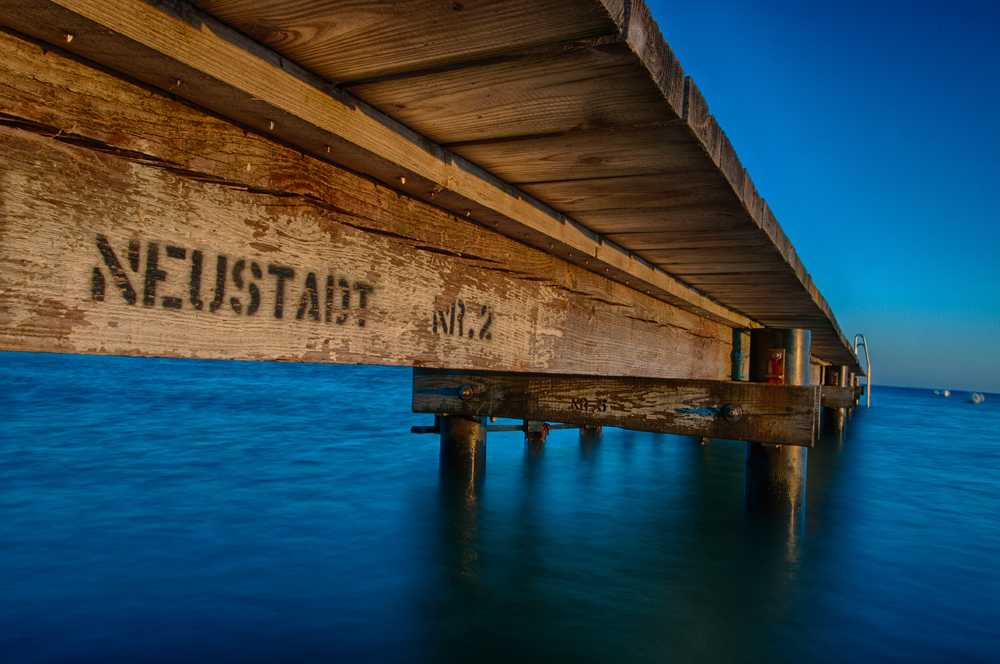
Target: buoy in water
947, 393
977, 398
937, 391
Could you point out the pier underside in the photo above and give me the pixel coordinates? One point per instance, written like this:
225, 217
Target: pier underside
519, 188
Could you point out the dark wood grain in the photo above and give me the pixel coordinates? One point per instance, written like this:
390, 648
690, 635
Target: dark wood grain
580, 86
345, 40
838, 397
777, 414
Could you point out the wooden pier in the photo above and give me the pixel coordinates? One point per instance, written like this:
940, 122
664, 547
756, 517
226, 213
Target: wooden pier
528, 199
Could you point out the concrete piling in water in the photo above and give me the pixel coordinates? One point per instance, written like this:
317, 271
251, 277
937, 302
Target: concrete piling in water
535, 433
835, 418
775, 475
463, 445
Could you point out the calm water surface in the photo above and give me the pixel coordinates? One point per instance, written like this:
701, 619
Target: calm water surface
192, 511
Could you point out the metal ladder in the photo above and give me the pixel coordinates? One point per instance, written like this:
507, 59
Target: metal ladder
868, 362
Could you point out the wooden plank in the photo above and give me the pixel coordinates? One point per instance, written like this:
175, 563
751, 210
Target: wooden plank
778, 414
607, 152
202, 60
118, 207
690, 271
748, 279
670, 239
837, 397
348, 40
575, 87
673, 190
718, 258
682, 216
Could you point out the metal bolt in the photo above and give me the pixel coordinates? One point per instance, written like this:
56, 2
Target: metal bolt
732, 413
776, 353
465, 392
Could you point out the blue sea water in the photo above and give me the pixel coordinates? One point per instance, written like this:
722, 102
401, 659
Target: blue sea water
156, 510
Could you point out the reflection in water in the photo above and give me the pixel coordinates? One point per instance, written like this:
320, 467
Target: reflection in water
534, 449
774, 494
590, 442
834, 420
188, 523
459, 508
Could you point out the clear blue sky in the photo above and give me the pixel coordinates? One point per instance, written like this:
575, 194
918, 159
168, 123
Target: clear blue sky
873, 131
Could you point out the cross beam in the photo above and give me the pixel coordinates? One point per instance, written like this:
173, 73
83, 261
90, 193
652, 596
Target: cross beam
838, 397
735, 410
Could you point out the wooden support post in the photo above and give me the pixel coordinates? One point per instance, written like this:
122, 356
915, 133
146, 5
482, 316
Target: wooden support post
535, 433
838, 396
775, 475
463, 446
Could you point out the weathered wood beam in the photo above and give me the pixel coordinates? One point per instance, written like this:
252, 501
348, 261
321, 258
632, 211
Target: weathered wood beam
778, 414
345, 41
449, 105
175, 47
838, 397
609, 152
132, 223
